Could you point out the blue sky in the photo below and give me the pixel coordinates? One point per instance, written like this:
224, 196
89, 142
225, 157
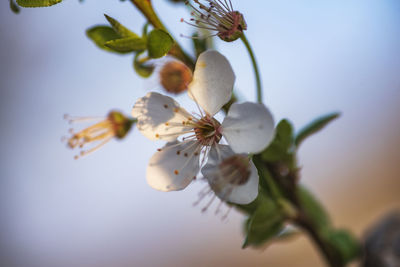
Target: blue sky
315, 57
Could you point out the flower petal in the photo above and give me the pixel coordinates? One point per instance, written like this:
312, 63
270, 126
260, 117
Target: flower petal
156, 113
248, 127
235, 193
212, 82
173, 167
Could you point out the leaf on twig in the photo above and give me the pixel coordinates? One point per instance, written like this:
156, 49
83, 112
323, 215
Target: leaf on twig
37, 3
265, 223
142, 67
102, 34
313, 208
126, 45
14, 7
119, 28
314, 127
280, 148
159, 42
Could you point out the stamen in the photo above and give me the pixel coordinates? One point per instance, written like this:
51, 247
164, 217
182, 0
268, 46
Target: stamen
204, 209
218, 16
114, 125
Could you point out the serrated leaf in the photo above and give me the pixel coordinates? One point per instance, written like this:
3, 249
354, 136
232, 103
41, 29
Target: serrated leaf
345, 244
14, 7
313, 208
142, 67
264, 224
102, 34
37, 3
314, 127
119, 28
159, 42
126, 45
279, 149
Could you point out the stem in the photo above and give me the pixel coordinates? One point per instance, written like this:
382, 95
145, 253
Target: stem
255, 67
147, 10
330, 255
289, 188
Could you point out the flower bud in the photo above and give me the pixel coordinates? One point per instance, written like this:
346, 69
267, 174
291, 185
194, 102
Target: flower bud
175, 77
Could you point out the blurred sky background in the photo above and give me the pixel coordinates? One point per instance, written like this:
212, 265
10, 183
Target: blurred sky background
315, 57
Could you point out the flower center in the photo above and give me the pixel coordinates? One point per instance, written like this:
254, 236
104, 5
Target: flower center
232, 31
218, 16
235, 170
207, 131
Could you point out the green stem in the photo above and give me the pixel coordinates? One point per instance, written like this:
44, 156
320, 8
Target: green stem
146, 8
255, 67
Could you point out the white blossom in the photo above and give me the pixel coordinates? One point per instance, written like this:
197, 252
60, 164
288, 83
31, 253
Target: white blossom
248, 128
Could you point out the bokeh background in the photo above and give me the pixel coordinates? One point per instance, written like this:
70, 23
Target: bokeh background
315, 56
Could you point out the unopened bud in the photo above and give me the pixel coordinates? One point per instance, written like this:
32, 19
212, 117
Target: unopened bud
175, 77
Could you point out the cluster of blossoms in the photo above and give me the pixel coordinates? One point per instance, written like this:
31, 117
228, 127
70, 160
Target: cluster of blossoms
195, 141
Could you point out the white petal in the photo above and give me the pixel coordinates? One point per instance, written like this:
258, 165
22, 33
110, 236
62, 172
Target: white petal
239, 194
245, 194
174, 167
156, 113
248, 127
212, 82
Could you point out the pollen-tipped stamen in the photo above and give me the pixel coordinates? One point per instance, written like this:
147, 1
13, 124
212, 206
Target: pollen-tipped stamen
218, 16
115, 125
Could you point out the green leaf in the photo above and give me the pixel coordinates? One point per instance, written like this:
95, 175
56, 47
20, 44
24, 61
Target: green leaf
345, 244
102, 34
280, 148
141, 67
267, 182
314, 127
37, 3
287, 235
252, 207
159, 42
264, 224
313, 208
119, 28
14, 7
126, 45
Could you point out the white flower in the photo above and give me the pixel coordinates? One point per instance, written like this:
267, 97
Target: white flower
248, 127
233, 177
